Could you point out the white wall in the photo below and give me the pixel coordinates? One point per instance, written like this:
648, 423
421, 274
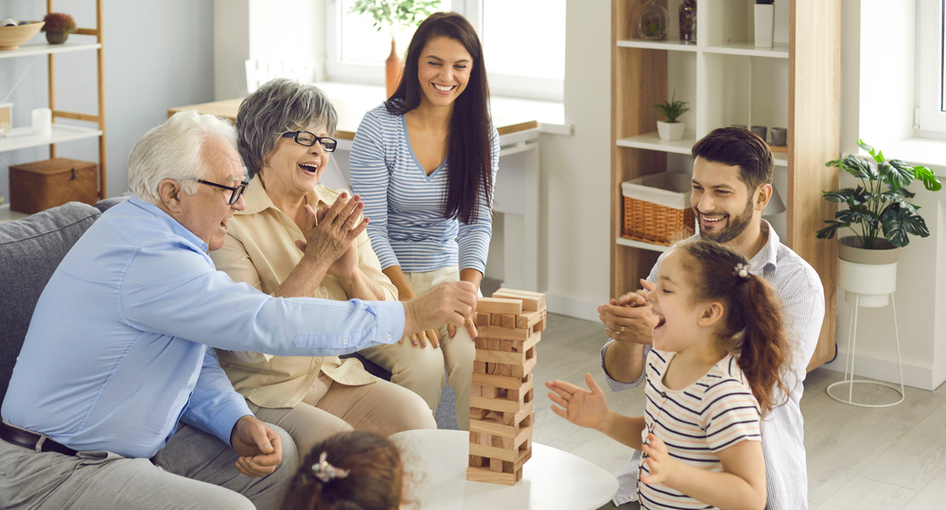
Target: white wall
157, 55
575, 172
878, 97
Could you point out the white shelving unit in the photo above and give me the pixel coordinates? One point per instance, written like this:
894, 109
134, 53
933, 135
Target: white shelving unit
729, 81
23, 137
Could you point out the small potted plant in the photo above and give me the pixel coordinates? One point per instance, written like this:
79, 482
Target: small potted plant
394, 15
671, 129
58, 27
764, 22
877, 204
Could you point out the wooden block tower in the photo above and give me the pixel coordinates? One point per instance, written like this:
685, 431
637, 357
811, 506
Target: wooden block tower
501, 415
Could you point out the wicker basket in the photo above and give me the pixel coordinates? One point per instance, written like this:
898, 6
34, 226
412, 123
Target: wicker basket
41, 185
657, 208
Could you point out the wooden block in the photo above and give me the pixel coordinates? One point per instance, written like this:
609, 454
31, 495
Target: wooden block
479, 474
531, 301
528, 320
495, 305
482, 392
479, 367
540, 326
520, 370
476, 390
508, 358
508, 321
480, 343
477, 414
501, 333
475, 461
495, 404
500, 381
510, 454
482, 319
474, 437
496, 319
491, 368
496, 465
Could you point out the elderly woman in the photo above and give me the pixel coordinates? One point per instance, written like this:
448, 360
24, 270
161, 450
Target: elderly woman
277, 244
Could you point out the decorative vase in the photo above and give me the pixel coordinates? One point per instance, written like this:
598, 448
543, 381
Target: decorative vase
870, 273
688, 21
56, 37
649, 21
764, 23
392, 68
670, 130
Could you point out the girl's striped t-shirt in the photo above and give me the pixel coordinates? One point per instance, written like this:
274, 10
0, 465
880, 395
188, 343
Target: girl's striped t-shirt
405, 205
712, 414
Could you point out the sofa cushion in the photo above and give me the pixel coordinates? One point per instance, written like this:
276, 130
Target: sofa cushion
30, 250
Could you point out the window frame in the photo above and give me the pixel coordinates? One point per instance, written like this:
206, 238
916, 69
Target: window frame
373, 73
929, 118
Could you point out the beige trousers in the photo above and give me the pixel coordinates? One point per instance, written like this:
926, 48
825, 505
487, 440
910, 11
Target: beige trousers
329, 407
421, 369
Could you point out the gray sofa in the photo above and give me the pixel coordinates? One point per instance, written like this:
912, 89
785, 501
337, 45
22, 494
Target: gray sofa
30, 251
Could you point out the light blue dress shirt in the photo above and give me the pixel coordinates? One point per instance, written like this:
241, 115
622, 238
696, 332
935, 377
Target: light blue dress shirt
120, 347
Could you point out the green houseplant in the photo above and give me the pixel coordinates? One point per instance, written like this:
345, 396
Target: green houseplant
394, 15
879, 202
672, 109
58, 26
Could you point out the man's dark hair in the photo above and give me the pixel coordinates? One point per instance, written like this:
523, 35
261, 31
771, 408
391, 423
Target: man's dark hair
740, 147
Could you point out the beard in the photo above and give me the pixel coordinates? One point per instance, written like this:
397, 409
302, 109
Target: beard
735, 226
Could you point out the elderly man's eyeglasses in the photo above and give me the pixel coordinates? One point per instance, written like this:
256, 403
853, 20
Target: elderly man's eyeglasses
308, 139
235, 192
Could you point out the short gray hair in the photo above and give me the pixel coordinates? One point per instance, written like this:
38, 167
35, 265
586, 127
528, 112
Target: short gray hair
173, 151
278, 107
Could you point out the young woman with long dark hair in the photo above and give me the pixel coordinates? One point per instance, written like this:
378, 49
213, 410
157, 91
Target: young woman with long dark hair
424, 164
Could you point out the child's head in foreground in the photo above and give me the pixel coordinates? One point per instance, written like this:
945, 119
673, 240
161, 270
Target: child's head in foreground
348, 471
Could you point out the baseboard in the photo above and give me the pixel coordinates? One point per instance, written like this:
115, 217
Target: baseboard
885, 370
572, 307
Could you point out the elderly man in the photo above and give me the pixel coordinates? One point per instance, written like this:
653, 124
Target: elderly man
117, 399
732, 183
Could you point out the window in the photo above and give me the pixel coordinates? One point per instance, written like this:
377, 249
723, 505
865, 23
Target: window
930, 118
523, 45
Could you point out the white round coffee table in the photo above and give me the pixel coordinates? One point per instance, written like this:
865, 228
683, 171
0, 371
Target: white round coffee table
551, 479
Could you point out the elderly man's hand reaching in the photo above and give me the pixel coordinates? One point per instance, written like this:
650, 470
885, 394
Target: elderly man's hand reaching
448, 303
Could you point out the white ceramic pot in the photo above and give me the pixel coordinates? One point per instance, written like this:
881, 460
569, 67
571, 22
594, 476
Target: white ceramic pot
870, 273
764, 22
670, 130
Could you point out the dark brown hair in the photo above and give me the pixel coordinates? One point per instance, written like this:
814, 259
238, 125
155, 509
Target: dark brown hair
740, 147
469, 153
752, 327
374, 481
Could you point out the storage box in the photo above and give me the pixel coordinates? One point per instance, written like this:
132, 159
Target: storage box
657, 208
40, 185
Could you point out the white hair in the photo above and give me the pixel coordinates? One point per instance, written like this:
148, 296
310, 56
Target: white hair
173, 151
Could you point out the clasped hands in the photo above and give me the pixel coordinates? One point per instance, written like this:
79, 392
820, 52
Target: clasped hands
330, 234
629, 318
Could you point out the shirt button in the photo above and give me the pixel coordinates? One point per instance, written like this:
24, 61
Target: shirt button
318, 360
323, 290
389, 336
345, 341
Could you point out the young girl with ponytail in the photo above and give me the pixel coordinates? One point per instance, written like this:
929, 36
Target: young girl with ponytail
713, 373
349, 470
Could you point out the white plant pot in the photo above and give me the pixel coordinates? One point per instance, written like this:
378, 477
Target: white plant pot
764, 23
670, 130
870, 273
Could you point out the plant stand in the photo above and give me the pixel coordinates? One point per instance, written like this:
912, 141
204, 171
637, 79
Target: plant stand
867, 286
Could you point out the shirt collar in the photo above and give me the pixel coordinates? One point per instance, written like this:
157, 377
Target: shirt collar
172, 224
768, 255
257, 199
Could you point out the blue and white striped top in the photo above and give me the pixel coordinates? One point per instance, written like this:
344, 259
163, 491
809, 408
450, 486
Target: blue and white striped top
405, 205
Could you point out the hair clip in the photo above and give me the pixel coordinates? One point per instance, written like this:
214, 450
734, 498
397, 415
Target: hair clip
742, 271
327, 472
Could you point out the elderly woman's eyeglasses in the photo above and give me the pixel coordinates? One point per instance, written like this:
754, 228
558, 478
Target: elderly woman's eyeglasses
235, 193
308, 139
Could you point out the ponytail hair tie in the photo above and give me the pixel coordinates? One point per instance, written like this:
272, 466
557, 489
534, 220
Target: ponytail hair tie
742, 271
327, 472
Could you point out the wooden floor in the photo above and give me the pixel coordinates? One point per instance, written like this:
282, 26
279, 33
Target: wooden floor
890, 458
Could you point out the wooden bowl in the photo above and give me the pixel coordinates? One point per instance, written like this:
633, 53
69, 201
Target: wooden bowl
12, 37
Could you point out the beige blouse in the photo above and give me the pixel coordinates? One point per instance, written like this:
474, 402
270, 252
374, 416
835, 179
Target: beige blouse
260, 250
